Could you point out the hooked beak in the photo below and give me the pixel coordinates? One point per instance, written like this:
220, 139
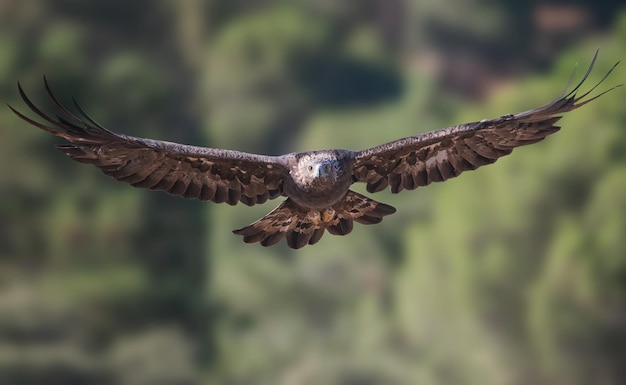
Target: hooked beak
323, 170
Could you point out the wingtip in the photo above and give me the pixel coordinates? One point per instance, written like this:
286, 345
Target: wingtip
12, 109
20, 89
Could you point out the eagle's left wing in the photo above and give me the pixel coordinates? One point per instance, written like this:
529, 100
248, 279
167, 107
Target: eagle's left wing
437, 156
193, 172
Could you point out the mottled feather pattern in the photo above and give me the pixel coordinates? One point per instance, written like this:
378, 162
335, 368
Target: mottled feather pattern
190, 177
316, 183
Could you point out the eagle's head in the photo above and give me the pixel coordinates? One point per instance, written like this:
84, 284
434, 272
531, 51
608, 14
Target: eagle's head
319, 179
318, 168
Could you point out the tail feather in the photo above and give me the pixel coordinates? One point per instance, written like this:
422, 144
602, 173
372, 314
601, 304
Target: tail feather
301, 226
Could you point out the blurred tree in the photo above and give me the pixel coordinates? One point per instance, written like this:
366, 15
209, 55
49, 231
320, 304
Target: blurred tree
271, 70
83, 49
522, 260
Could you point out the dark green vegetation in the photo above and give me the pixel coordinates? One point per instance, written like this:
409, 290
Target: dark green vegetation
511, 274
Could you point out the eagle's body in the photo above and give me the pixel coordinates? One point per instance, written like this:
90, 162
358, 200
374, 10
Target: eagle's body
315, 183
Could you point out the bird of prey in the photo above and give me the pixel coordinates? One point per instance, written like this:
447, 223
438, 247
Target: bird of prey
316, 184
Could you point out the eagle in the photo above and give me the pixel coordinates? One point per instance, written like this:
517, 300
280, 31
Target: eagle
316, 184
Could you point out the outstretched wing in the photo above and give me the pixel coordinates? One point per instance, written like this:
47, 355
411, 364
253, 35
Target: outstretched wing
437, 156
192, 172
302, 226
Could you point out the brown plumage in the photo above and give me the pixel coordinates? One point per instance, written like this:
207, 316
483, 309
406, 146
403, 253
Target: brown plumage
316, 183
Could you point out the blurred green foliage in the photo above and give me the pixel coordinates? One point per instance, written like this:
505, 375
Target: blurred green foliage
511, 274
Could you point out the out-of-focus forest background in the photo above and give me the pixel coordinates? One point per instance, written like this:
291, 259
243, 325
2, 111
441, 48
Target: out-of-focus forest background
511, 274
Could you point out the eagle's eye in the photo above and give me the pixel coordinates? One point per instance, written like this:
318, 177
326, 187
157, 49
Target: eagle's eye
310, 168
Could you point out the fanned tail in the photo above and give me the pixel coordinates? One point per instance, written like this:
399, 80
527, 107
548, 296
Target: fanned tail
302, 226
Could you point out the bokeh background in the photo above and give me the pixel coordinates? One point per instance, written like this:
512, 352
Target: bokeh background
511, 274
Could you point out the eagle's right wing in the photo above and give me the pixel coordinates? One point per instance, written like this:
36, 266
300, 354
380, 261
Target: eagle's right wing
192, 172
